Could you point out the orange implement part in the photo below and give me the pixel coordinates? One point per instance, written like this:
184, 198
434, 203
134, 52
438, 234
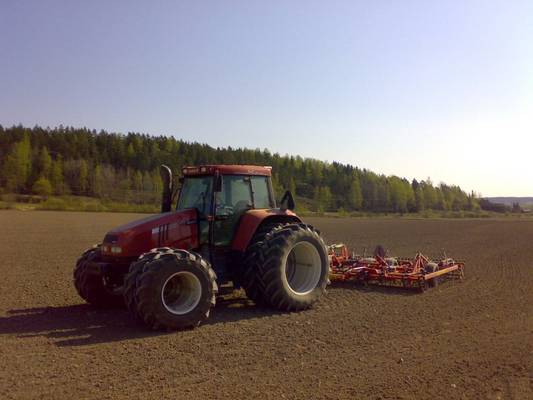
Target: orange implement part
398, 272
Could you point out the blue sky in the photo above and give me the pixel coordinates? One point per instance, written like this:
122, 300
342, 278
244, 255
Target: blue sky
414, 88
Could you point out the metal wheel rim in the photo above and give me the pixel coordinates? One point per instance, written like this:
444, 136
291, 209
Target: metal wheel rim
181, 292
303, 268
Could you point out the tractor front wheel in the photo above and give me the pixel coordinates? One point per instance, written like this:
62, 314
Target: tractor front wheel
174, 289
131, 278
91, 284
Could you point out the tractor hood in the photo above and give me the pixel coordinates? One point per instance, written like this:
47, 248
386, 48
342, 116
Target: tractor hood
174, 229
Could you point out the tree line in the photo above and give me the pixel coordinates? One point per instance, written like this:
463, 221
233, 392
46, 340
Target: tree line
84, 162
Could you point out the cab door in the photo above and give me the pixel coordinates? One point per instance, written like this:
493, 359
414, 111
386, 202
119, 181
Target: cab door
231, 202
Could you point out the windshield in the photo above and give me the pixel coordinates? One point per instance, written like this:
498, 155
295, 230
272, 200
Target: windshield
241, 192
196, 193
262, 198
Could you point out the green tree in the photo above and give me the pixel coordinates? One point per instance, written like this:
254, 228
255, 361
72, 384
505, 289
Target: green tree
42, 187
97, 181
398, 195
157, 182
130, 154
322, 198
355, 198
137, 181
17, 166
112, 160
148, 189
148, 184
419, 199
472, 202
441, 202
56, 177
316, 197
124, 187
45, 163
276, 186
383, 199
83, 177
316, 172
369, 188
430, 194
292, 186
410, 194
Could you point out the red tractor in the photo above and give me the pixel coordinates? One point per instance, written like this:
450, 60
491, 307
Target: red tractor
225, 227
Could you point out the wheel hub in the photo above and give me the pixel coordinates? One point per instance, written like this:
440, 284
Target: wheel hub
303, 268
181, 292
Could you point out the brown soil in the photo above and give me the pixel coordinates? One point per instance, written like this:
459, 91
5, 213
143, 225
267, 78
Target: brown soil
461, 340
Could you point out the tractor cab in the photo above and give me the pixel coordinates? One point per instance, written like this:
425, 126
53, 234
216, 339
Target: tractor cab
231, 201
221, 195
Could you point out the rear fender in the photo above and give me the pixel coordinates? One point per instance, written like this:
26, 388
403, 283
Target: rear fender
252, 219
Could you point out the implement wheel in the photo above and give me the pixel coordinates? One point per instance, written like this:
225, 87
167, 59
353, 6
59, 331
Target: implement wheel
429, 268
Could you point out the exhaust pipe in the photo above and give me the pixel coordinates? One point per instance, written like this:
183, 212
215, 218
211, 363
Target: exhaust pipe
166, 177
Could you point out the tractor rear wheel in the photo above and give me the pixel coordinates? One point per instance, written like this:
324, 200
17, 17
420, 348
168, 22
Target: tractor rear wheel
91, 284
291, 267
174, 289
252, 286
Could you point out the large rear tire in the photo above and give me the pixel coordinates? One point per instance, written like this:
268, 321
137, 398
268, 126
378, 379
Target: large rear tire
90, 283
174, 289
254, 287
290, 267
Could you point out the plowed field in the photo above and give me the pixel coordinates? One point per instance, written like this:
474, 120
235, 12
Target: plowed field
470, 339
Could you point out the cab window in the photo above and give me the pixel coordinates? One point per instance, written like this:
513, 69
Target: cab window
235, 195
196, 193
261, 192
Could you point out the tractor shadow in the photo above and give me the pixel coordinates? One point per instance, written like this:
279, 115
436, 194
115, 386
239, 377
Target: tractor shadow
234, 309
72, 325
82, 324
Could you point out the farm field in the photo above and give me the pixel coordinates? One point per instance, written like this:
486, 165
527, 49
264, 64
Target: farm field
461, 340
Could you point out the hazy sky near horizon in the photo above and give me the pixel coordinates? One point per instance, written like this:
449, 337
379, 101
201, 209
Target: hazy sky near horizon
413, 88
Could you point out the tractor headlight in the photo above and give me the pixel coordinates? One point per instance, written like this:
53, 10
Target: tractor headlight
116, 250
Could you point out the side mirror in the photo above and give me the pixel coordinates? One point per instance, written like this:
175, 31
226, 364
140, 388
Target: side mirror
287, 202
166, 199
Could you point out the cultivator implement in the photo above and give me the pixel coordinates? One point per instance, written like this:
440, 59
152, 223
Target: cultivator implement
413, 273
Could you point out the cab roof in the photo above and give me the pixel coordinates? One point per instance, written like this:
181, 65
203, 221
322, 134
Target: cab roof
227, 170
